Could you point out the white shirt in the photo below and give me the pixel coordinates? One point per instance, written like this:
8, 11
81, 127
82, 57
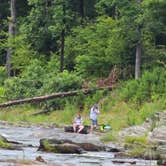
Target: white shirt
93, 113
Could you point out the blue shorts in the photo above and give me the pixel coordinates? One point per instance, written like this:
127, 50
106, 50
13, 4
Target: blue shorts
94, 122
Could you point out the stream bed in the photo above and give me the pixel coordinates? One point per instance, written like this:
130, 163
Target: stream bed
31, 135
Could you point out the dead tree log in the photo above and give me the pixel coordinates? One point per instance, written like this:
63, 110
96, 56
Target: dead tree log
52, 96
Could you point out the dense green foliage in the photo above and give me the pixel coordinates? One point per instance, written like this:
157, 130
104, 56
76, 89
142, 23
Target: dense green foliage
64, 45
151, 86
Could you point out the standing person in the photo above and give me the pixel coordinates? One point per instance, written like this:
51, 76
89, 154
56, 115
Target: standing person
94, 111
78, 123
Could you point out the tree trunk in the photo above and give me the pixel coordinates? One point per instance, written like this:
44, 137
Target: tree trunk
63, 39
52, 96
138, 61
11, 30
138, 50
62, 49
82, 11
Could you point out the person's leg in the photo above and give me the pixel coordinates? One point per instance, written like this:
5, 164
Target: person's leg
95, 124
80, 128
74, 127
92, 126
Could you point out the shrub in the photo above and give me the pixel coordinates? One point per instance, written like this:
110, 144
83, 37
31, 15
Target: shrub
27, 85
60, 82
152, 83
3, 75
2, 94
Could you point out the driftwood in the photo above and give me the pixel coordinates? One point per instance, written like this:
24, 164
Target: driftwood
52, 96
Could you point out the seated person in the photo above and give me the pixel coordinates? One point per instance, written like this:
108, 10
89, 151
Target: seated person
78, 123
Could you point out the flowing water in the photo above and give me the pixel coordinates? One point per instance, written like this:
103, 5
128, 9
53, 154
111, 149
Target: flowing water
31, 135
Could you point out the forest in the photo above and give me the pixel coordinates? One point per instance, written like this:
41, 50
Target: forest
60, 57
52, 46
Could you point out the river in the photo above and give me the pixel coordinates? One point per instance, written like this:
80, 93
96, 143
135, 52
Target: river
31, 135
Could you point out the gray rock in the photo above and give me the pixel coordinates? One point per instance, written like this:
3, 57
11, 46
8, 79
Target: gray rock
67, 146
159, 133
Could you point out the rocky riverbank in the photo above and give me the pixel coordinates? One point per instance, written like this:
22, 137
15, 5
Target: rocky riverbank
147, 140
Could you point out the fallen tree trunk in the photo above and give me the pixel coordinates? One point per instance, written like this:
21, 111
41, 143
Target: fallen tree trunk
52, 96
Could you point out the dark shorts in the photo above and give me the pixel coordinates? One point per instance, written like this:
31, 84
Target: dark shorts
94, 122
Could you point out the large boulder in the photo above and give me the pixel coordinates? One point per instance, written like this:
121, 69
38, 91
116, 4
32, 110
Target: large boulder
3, 139
59, 146
12, 145
67, 146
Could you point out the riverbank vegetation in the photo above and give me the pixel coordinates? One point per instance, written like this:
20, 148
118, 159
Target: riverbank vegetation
59, 46
130, 103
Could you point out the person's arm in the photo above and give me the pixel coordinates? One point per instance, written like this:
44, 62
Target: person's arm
74, 120
81, 121
97, 111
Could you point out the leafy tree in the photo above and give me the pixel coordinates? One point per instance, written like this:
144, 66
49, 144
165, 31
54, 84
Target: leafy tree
155, 37
95, 48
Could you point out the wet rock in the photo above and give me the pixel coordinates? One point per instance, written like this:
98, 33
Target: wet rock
155, 129
12, 145
133, 131
39, 158
159, 133
58, 146
161, 162
124, 162
159, 137
114, 147
67, 146
3, 139
122, 155
91, 147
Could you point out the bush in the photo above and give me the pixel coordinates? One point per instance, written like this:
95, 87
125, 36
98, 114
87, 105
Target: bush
2, 94
3, 75
60, 82
28, 85
150, 85
39, 79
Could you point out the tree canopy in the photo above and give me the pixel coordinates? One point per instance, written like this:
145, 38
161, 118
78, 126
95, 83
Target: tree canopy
44, 43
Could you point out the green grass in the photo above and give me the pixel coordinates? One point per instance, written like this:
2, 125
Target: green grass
138, 140
138, 146
110, 136
4, 145
116, 113
48, 147
2, 94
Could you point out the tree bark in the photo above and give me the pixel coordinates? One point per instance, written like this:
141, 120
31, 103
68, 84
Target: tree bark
62, 49
138, 61
11, 32
138, 50
82, 11
63, 40
52, 96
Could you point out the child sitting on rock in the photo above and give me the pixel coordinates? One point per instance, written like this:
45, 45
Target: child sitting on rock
77, 124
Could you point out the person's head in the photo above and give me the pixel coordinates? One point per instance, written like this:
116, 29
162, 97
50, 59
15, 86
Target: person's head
96, 106
78, 115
